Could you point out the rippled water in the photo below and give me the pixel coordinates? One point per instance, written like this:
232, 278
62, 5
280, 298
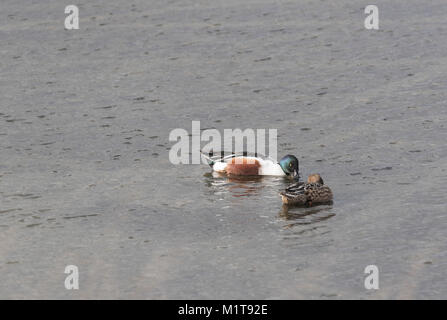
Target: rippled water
85, 179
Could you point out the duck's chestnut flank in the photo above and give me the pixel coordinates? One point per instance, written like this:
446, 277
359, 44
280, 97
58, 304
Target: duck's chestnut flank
243, 167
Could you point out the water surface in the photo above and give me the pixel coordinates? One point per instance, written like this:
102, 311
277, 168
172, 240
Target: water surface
85, 178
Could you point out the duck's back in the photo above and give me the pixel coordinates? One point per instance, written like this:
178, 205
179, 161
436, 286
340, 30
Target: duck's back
318, 193
294, 194
306, 193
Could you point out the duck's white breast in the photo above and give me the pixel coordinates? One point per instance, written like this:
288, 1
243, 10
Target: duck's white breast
270, 168
220, 166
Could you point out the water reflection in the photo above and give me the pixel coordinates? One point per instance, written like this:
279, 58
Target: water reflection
305, 224
241, 186
305, 215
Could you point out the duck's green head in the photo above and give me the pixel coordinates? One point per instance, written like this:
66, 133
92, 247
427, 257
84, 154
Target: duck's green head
290, 165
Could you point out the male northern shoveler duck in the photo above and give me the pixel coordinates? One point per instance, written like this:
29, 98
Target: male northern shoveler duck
242, 165
312, 192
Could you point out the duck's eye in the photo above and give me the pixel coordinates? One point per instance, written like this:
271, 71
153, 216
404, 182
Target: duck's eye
290, 165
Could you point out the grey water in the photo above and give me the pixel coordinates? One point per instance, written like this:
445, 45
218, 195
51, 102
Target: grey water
85, 176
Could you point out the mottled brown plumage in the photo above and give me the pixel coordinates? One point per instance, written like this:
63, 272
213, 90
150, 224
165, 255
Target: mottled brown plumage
310, 193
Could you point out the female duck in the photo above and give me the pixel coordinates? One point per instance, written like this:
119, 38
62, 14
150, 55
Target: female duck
254, 166
310, 193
